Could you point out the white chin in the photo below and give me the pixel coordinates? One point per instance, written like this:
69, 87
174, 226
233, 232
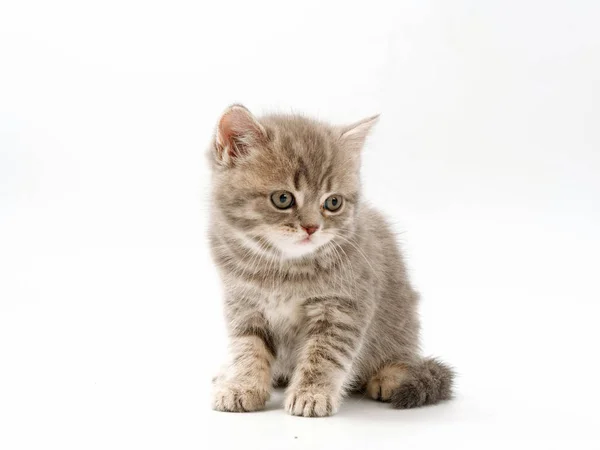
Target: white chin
293, 250
295, 247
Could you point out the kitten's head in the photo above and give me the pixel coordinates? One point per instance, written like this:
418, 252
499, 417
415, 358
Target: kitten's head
286, 183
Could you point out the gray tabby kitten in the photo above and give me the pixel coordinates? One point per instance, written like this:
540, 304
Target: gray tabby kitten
316, 292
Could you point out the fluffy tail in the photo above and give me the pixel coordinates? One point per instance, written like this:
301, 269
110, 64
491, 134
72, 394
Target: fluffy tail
428, 382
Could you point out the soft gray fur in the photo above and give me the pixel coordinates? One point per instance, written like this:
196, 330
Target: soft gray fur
323, 314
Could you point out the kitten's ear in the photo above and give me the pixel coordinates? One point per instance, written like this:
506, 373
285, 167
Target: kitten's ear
237, 131
354, 136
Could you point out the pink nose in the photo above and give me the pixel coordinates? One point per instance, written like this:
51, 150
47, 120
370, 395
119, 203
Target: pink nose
310, 229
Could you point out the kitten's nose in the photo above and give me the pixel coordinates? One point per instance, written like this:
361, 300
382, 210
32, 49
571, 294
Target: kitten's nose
310, 229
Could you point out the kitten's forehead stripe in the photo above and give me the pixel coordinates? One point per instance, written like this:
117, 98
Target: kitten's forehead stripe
313, 162
326, 174
301, 171
297, 179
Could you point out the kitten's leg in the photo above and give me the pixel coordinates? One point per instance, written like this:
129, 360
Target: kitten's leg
334, 331
246, 384
387, 380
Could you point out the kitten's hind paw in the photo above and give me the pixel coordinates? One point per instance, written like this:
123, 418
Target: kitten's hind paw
383, 383
310, 403
239, 399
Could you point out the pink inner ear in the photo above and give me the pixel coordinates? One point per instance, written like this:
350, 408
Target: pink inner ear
226, 129
237, 130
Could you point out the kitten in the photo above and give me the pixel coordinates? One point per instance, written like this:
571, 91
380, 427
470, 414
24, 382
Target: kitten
316, 292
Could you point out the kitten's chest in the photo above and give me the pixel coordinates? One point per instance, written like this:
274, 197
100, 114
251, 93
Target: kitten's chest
283, 311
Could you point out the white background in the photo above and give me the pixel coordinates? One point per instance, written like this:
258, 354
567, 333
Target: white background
487, 161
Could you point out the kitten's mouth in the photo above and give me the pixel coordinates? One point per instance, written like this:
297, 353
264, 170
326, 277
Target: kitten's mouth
305, 241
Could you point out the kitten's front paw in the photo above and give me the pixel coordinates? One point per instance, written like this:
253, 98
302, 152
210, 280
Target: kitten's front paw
232, 398
310, 402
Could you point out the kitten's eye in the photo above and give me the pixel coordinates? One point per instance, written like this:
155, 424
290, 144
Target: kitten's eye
282, 199
333, 203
